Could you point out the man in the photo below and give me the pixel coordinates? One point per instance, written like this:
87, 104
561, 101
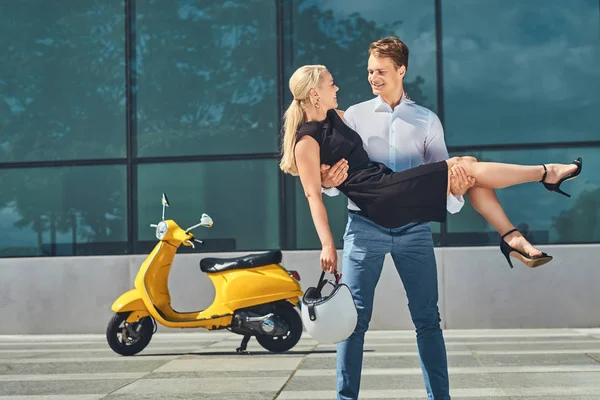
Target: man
400, 134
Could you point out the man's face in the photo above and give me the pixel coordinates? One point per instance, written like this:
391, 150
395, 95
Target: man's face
384, 78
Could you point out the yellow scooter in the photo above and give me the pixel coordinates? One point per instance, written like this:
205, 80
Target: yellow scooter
255, 296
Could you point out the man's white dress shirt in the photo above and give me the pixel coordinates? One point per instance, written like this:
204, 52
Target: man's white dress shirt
402, 138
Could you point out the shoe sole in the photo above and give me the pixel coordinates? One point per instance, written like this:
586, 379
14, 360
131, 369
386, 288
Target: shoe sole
531, 262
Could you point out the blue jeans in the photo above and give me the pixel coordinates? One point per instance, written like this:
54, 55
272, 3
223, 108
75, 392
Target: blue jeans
411, 247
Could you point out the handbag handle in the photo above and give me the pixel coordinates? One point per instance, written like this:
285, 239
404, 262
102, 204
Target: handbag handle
323, 281
320, 285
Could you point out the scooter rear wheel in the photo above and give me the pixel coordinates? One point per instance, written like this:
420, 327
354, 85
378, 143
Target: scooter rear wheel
282, 343
120, 338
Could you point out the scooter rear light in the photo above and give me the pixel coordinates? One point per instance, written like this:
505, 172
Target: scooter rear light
295, 275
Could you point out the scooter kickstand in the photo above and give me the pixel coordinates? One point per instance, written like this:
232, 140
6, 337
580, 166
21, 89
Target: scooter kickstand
242, 348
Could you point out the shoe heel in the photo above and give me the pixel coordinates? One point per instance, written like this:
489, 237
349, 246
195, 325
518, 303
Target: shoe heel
555, 188
505, 249
558, 190
508, 259
524, 258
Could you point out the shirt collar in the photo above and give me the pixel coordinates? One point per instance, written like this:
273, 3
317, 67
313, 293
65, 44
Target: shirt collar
382, 106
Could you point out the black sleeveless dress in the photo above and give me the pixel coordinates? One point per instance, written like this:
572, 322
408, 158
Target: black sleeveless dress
390, 199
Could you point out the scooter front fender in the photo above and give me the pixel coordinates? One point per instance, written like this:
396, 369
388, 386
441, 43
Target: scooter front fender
129, 301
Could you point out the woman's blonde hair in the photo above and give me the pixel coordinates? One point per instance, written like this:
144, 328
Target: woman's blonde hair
301, 82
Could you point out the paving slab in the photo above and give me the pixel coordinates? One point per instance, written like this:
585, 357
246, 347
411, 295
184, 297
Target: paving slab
193, 396
204, 385
374, 382
516, 364
91, 367
66, 387
387, 361
549, 380
495, 360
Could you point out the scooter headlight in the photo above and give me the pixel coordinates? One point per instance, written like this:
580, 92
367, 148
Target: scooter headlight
161, 230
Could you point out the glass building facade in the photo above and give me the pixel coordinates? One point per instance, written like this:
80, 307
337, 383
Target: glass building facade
106, 104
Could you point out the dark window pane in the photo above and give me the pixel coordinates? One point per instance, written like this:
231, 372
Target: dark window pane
547, 217
62, 80
207, 77
436, 231
337, 34
523, 73
241, 197
63, 211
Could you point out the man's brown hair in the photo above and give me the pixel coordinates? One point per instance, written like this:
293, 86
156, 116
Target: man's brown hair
392, 48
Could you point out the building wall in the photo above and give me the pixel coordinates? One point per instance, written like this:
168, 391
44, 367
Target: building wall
477, 289
187, 97
104, 107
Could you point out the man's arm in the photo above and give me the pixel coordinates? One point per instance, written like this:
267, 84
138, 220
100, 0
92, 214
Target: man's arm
435, 150
334, 176
348, 117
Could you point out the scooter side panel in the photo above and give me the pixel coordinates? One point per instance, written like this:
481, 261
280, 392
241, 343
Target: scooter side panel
152, 281
295, 301
249, 287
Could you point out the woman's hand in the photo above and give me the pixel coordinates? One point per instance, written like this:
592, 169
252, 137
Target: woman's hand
329, 259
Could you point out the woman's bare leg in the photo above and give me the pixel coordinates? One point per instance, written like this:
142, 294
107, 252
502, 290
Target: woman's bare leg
486, 203
498, 175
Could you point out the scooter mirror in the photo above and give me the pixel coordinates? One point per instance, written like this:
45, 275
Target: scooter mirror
206, 220
165, 203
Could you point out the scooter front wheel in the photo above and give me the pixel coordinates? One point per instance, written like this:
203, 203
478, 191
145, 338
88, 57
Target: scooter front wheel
126, 338
281, 343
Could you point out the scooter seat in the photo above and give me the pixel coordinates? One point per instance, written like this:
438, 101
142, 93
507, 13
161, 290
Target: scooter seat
247, 261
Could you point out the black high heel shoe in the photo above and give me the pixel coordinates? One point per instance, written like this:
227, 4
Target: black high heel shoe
526, 259
555, 187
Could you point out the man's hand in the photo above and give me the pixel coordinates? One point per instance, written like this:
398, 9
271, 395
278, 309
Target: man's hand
334, 176
459, 181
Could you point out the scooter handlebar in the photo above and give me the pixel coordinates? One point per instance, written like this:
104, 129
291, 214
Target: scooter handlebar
191, 243
172, 232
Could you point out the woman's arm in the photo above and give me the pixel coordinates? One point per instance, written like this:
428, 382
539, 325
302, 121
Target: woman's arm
308, 162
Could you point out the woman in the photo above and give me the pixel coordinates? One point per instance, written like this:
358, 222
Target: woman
315, 134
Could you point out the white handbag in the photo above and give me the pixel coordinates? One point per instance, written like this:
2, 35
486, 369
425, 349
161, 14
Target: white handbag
331, 318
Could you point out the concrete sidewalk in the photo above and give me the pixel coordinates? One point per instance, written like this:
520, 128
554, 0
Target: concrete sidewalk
484, 364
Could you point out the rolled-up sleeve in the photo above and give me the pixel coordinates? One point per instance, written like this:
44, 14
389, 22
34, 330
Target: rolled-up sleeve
331, 192
454, 204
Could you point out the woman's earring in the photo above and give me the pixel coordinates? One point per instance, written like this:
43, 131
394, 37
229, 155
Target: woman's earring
317, 105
